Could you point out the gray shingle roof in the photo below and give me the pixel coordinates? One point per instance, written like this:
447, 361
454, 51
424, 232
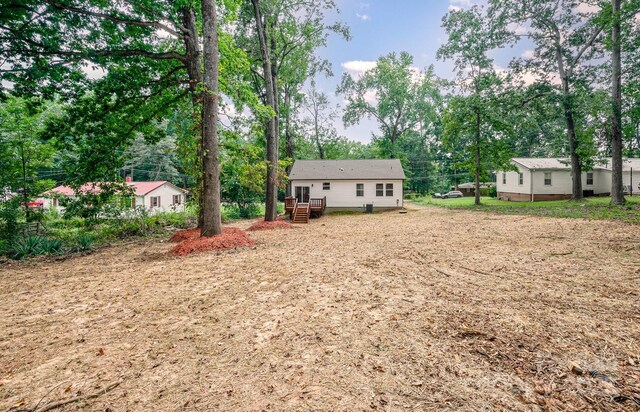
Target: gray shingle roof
565, 164
346, 170
543, 163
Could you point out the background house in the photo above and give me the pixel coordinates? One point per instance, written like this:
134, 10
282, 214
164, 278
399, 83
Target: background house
469, 189
550, 179
349, 184
156, 196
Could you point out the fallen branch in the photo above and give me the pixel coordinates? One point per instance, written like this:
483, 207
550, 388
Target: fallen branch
58, 404
476, 271
442, 272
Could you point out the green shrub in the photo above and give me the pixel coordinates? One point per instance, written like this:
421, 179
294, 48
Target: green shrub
84, 242
10, 213
28, 246
52, 247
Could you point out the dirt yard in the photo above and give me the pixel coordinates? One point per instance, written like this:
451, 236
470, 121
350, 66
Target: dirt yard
430, 310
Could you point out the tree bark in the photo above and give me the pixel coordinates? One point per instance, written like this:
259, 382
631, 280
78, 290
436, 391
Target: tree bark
194, 71
576, 166
617, 191
271, 198
212, 222
477, 183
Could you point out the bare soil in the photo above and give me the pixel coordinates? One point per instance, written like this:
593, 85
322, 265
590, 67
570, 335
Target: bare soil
430, 310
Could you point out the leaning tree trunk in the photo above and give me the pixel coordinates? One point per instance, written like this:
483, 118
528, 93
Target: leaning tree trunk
212, 223
617, 191
271, 198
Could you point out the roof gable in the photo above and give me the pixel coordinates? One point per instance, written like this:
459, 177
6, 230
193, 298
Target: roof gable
370, 169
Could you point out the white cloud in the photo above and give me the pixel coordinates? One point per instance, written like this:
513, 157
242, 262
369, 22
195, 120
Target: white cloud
457, 5
363, 17
517, 29
528, 54
587, 8
358, 67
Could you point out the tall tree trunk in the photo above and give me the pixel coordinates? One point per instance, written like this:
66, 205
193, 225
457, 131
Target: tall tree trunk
271, 198
212, 222
617, 191
576, 167
194, 71
477, 171
290, 144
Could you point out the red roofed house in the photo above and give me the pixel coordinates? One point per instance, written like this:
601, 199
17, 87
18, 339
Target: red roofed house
157, 196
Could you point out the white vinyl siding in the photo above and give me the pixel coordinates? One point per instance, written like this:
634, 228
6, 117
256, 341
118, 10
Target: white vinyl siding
343, 193
389, 191
589, 178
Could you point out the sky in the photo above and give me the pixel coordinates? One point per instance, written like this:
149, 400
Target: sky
379, 27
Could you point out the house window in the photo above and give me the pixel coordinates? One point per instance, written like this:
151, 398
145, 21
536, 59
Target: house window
590, 178
326, 186
520, 178
177, 199
379, 189
390, 189
360, 189
504, 178
155, 201
547, 178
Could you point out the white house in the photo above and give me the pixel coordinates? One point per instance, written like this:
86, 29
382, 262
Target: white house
550, 179
156, 196
348, 184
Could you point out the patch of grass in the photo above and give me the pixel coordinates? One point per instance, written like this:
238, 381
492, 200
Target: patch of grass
590, 208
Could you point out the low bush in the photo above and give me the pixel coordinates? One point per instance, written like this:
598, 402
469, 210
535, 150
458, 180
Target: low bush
52, 247
84, 242
27, 246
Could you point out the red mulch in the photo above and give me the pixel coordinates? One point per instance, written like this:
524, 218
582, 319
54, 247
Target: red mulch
263, 225
182, 235
231, 238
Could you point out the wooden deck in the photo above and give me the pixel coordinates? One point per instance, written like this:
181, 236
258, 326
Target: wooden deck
301, 212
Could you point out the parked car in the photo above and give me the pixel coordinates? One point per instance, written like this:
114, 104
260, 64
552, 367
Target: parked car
437, 196
452, 194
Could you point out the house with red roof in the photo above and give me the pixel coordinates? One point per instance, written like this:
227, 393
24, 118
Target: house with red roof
156, 196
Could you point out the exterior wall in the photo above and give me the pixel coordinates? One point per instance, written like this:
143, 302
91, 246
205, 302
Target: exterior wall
512, 184
628, 180
560, 187
343, 193
165, 192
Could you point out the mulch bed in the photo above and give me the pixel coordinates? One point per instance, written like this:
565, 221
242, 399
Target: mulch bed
264, 225
186, 234
231, 238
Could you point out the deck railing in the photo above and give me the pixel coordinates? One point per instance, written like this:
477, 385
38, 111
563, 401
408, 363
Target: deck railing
318, 204
290, 203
